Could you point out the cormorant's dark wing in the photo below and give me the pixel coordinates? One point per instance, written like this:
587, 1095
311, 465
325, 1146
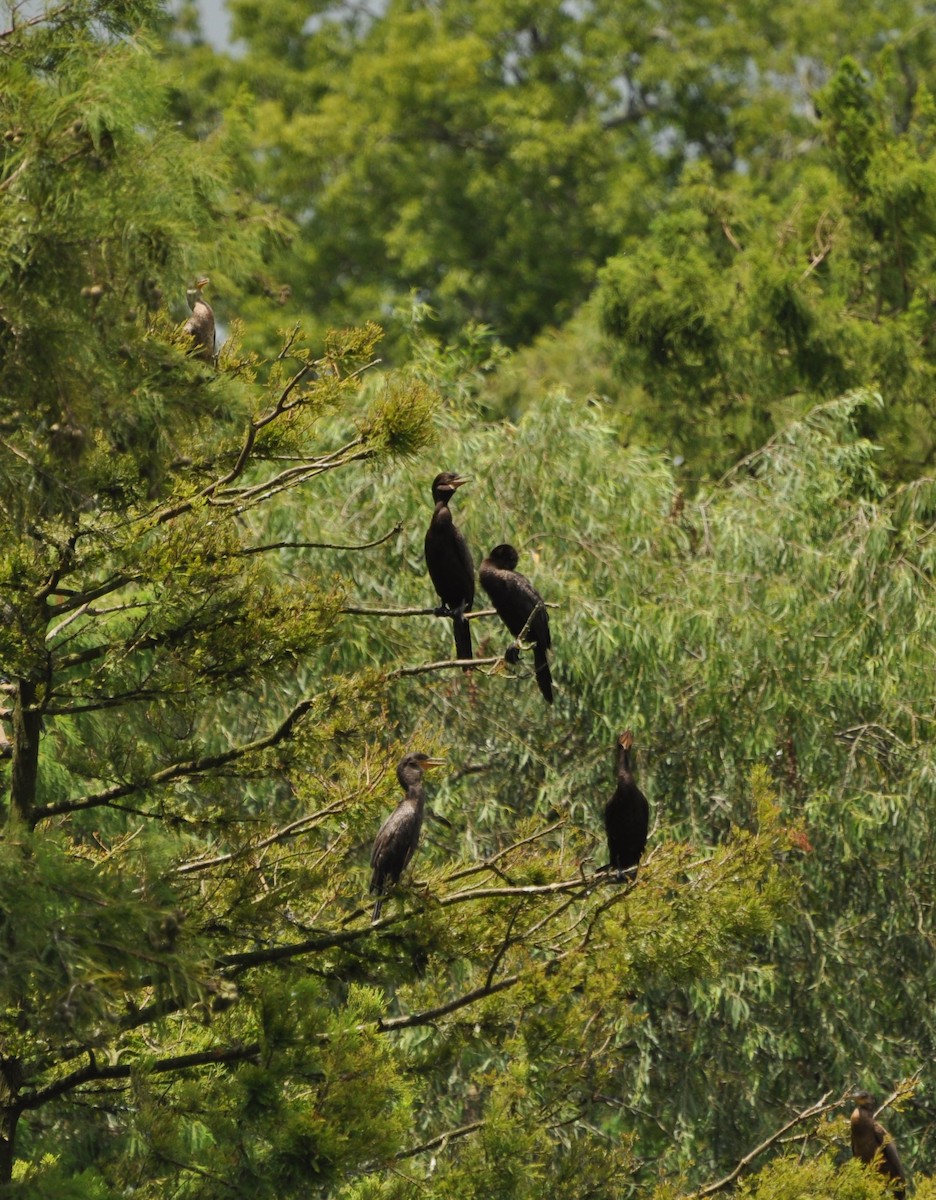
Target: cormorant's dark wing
891, 1159
393, 846
515, 598
627, 820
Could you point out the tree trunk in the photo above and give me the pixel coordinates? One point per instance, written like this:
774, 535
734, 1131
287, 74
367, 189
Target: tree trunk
26, 726
11, 1079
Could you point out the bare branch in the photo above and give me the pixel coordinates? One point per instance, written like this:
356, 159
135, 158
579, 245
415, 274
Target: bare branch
489, 862
293, 829
580, 883
353, 610
389, 1024
318, 546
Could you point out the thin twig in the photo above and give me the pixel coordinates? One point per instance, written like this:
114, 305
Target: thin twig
447, 664
317, 545
441, 1140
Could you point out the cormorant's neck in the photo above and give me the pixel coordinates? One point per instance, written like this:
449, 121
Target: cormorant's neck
416, 794
624, 762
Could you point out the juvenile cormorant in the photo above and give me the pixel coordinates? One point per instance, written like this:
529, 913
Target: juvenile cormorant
515, 599
627, 814
449, 560
399, 834
873, 1144
201, 324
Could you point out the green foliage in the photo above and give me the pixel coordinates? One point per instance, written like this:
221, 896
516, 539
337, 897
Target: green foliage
750, 303
778, 618
790, 1179
492, 154
201, 725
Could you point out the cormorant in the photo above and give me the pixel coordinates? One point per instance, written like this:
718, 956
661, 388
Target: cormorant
201, 324
449, 560
626, 815
515, 599
399, 834
873, 1144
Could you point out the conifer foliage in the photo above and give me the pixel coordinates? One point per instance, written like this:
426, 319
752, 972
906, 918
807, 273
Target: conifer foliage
218, 639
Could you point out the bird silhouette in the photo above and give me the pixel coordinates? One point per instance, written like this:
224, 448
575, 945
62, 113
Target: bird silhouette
626, 815
449, 561
399, 834
520, 606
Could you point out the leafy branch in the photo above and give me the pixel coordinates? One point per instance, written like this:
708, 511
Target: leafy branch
179, 770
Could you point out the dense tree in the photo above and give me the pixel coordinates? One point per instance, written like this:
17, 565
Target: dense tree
492, 153
218, 639
744, 306
783, 616
193, 998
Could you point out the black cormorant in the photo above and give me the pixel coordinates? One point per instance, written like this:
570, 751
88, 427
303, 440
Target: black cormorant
627, 814
873, 1144
399, 834
518, 602
449, 560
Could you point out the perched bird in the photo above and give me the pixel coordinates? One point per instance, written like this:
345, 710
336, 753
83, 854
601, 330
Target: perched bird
201, 324
399, 834
518, 602
449, 561
873, 1144
626, 815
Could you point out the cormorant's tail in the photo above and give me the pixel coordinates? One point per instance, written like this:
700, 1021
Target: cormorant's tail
463, 639
375, 915
543, 677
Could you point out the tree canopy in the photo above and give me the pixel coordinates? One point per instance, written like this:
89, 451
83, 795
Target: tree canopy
218, 635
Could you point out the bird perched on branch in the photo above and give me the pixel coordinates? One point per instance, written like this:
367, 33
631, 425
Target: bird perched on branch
449, 561
522, 609
399, 834
873, 1144
201, 324
626, 815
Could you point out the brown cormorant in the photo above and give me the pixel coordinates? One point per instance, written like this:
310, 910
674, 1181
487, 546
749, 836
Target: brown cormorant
626, 815
201, 324
517, 602
399, 834
449, 561
873, 1144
